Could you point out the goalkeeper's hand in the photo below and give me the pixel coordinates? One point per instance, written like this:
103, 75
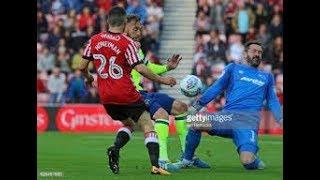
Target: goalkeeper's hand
194, 108
192, 111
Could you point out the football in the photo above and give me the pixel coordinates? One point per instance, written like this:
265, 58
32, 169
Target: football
190, 86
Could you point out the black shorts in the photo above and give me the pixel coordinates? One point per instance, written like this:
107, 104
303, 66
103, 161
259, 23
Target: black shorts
123, 112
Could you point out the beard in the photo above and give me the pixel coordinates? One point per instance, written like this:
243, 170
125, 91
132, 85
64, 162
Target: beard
254, 62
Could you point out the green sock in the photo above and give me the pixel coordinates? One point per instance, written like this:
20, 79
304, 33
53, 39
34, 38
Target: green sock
182, 129
162, 128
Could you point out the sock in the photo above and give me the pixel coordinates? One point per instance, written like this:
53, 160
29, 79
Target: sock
252, 165
162, 128
192, 142
123, 136
182, 129
151, 142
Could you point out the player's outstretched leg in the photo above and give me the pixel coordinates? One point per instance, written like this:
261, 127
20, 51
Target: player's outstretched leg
192, 142
250, 161
151, 142
246, 141
123, 136
162, 129
179, 110
113, 155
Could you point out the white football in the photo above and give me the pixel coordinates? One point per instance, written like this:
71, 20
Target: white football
190, 86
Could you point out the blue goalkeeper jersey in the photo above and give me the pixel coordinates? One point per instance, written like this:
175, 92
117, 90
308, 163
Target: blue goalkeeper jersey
246, 89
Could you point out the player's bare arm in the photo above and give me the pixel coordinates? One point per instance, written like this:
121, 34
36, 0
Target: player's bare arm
84, 69
142, 69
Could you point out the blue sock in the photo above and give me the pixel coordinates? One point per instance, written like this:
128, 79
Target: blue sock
192, 142
253, 165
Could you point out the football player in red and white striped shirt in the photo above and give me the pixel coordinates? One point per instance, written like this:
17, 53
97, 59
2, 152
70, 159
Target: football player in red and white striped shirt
114, 55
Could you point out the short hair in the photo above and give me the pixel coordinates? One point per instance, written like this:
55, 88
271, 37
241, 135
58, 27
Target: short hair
133, 17
215, 30
116, 16
247, 44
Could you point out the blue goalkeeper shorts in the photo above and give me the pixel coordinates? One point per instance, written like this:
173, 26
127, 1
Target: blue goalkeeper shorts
155, 101
243, 139
242, 129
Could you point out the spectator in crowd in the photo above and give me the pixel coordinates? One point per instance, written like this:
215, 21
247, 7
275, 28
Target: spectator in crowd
75, 62
266, 66
154, 10
135, 7
263, 35
153, 25
77, 38
204, 7
149, 41
243, 20
76, 88
56, 86
277, 53
229, 14
45, 60
41, 84
91, 97
201, 68
273, 51
249, 4
208, 82
73, 5
276, 26
199, 54
217, 69
202, 23
251, 34
70, 20
86, 19
216, 15
104, 5
42, 23
235, 49
42, 95
91, 4
261, 16
90, 31
101, 21
63, 60
61, 44
56, 7
215, 49
54, 37
60, 25
273, 7
44, 5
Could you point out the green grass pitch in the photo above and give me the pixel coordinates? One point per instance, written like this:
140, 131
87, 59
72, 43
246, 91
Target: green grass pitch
83, 156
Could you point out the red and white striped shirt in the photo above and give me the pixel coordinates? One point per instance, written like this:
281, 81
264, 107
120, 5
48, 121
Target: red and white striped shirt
113, 55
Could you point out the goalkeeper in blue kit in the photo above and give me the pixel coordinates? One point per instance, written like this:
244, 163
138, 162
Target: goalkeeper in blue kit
247, 89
